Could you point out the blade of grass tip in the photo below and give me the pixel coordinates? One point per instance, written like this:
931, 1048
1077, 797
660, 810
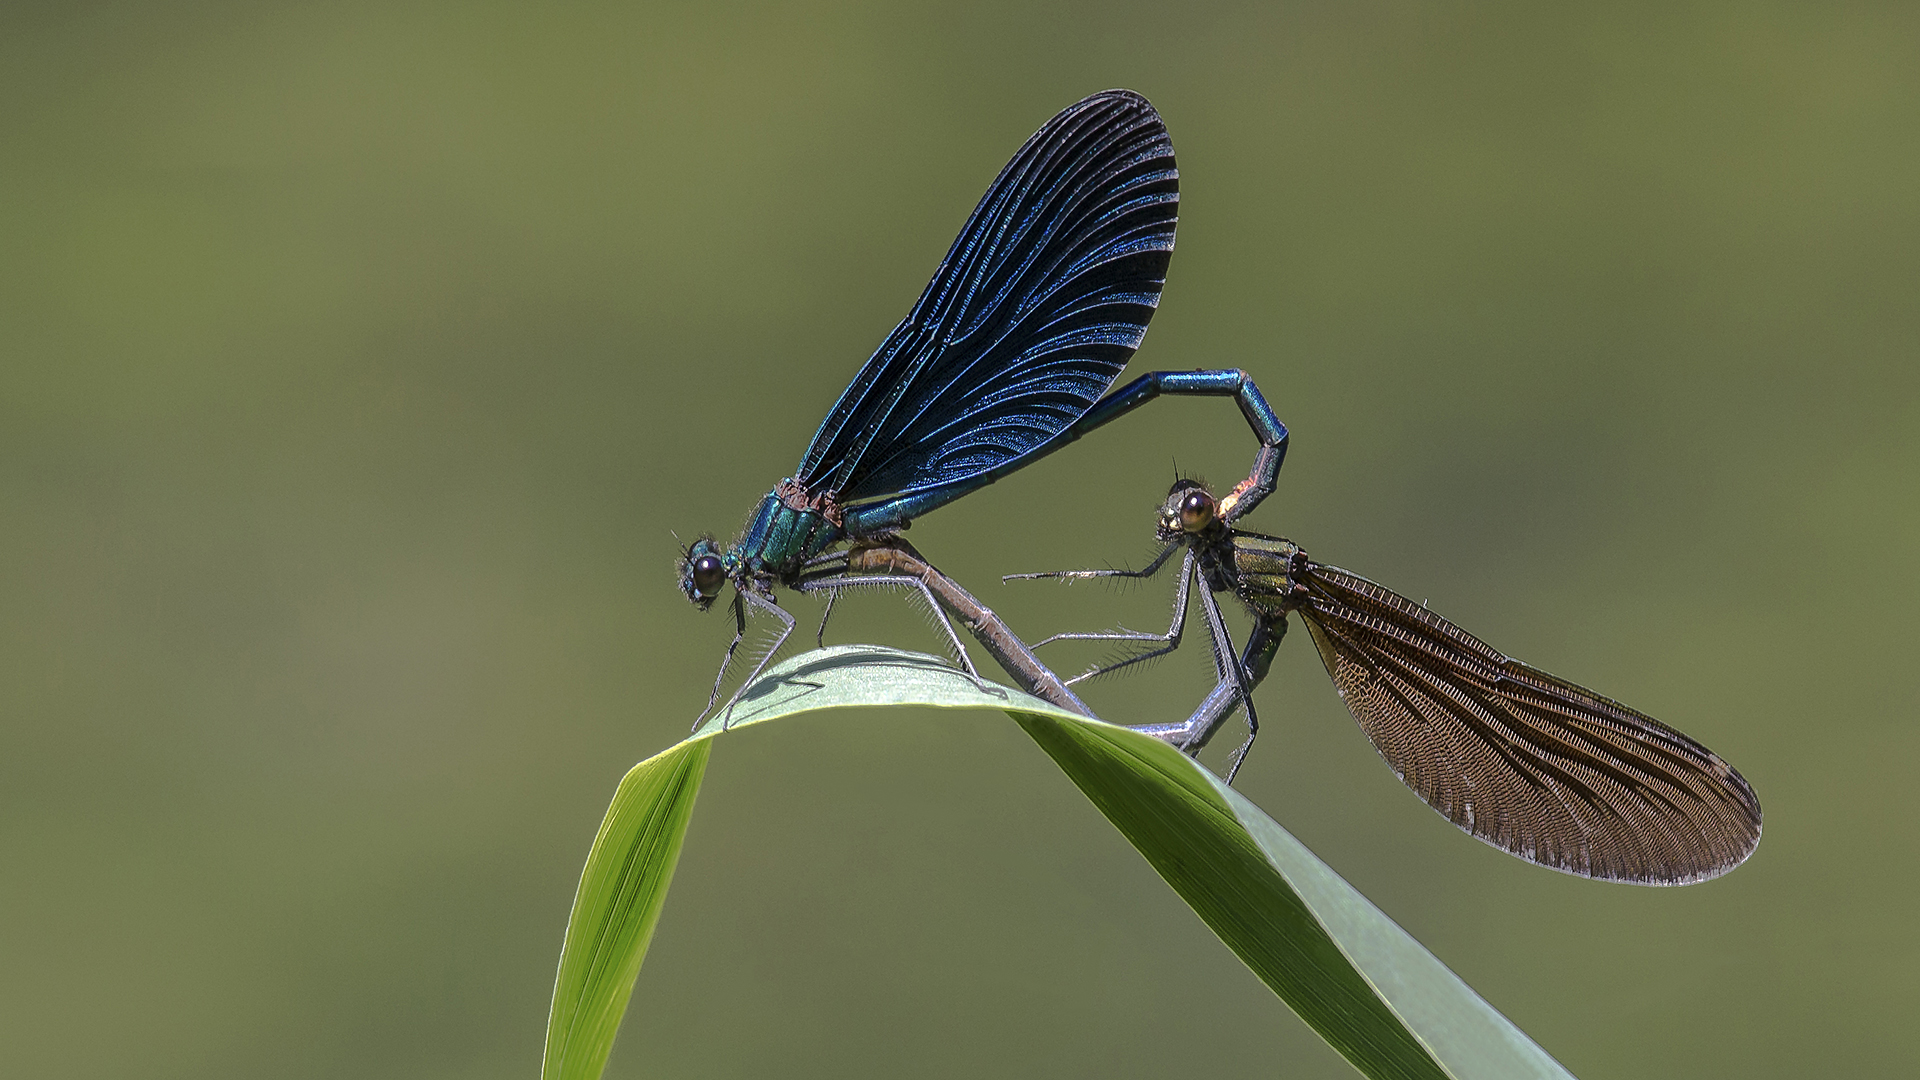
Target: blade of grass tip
617, 906
624, 883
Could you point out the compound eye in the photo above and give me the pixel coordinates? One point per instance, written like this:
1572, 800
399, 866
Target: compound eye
1196, 511
708, 573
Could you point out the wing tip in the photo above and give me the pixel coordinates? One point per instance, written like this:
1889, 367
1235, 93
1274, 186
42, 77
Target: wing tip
1629, 866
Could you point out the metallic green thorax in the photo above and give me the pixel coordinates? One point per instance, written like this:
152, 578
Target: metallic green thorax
1265, 568
783, 535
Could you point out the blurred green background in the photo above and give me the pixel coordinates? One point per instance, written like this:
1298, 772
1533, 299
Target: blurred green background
357, 359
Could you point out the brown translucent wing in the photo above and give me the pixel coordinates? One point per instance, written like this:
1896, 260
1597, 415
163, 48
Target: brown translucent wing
1547, 770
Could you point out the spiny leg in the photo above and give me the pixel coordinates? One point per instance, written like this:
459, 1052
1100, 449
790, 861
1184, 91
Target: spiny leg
1192, 734
1168, 641
1261, 646
820, 636
848, 581
764, 603
739, 632
1146, 571
1248, 672
1152, 568
1229, 666
815, 576
816, 566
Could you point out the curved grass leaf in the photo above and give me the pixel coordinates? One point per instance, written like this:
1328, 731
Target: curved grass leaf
1365, 985
617, 905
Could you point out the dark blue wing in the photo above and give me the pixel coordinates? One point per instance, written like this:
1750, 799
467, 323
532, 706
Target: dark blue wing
1034, 312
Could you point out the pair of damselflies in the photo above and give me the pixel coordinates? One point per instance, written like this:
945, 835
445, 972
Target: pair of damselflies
1027, 323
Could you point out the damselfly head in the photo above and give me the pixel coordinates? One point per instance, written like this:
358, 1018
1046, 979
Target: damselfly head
1190, 510
703, 569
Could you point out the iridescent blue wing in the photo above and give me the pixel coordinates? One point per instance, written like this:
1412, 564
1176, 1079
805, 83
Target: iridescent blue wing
1034, 312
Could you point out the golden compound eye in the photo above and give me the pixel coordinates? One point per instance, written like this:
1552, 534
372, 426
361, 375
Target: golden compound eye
1196, 511
708, 573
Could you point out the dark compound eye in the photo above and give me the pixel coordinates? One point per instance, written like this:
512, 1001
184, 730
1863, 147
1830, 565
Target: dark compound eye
708, 573
1196, 511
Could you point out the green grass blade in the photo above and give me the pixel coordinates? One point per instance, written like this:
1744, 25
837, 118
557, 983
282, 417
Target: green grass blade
1364, 984
1372, 991
616, 907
